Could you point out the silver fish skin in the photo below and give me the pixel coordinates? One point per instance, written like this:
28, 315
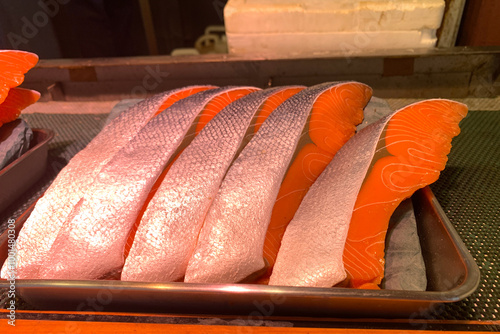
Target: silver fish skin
312, 247
167, 234
230, 245
52, 209
90, 244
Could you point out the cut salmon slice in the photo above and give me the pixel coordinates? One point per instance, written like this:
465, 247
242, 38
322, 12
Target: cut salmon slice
209, 111
411, 153
13, 65
17, 99
91, 242
169, 229
313, 245
180, 94
333, 121
52, 209
231, 241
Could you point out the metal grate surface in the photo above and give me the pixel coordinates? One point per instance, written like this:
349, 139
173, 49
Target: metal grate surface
468, 190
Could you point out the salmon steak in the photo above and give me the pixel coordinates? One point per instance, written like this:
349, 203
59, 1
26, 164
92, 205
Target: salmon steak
13, 65
17, 99
90, 242
339, 230
52, 209
169, 229
328, 129
231, 241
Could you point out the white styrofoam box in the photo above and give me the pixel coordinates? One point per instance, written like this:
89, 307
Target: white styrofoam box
345, 43
259, 16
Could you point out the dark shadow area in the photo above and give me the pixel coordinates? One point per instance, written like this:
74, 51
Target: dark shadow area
105, 28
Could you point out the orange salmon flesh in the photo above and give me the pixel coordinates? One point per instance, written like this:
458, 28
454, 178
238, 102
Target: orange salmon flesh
17, 99
410, 154
331, 124
179, 96
13, 65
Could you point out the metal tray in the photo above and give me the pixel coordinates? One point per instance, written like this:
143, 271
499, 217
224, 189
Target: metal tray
452, 276
22, 173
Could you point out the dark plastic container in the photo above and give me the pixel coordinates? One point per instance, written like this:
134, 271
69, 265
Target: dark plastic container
18, 176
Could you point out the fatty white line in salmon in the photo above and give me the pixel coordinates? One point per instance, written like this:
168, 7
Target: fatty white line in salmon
91, 241
230, 245
42, 226
167, 234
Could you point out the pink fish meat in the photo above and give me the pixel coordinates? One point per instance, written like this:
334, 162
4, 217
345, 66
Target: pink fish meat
168, 232
230, 245
91, 240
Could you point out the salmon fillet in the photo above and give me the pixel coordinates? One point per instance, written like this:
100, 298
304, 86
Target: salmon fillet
334, 117
52, 209
212, 108
374, 171
169, 229
13, 65
17, 99
231, 241
410, 154
91, 241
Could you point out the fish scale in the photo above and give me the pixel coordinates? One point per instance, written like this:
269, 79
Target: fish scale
91, 241
230, 245
51, 210
169, 229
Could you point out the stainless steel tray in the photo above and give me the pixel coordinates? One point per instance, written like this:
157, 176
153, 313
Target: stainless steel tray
18, 176
452, 275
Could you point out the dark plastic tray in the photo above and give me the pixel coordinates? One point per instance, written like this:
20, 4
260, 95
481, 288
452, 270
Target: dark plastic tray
452, 275
22, 173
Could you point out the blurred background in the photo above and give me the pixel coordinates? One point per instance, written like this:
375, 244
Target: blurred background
111, 49
105, 28
118, 28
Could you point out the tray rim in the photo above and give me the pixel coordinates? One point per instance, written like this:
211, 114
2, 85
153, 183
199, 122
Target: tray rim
48, 133
466, 288
22, 173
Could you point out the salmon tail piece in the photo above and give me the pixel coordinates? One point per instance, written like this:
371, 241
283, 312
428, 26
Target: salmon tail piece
333, 121
410, 154
13, 65
371, 174
17, 99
